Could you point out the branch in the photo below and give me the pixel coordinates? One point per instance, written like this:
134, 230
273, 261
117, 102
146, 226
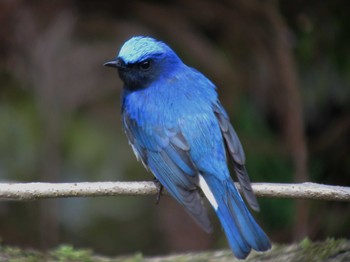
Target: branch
33, 191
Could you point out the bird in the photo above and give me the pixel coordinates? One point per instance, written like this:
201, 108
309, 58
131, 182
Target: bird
179, 130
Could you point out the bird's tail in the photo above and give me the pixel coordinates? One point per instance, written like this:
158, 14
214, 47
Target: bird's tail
242, 232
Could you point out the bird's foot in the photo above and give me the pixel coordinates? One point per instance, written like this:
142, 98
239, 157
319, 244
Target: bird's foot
159, 189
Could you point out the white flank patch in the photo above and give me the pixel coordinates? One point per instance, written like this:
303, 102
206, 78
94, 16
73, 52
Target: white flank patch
207, 192
138, 156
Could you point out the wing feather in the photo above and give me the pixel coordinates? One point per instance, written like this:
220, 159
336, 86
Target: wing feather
236, 151
166, 153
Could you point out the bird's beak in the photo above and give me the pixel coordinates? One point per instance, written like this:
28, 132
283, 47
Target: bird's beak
111, 64
117, 63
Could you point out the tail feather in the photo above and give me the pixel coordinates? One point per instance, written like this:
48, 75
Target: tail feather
237, 242
241, 230
245, 222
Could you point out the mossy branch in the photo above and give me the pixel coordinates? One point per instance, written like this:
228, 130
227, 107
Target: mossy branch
33, 191
327, 250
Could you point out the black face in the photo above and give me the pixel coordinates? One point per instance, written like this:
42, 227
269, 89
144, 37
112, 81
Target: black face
136, 75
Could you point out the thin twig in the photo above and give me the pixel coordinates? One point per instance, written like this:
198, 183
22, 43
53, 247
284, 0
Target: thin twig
33, 191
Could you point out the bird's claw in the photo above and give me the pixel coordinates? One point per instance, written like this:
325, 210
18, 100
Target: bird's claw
159, 189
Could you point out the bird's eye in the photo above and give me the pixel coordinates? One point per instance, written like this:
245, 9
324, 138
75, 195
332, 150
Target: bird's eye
145, 65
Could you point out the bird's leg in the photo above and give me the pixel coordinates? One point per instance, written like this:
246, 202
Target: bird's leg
159, 188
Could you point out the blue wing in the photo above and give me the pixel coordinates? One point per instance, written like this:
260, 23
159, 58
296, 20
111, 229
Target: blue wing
235, 149
165, 152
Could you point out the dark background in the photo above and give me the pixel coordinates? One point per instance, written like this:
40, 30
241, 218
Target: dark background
283, 73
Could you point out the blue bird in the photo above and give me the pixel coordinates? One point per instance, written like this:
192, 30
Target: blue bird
178, 128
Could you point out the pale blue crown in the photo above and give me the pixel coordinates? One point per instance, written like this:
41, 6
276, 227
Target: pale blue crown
140, 48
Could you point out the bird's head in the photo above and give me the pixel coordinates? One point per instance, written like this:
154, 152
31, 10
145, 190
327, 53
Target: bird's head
142, 60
